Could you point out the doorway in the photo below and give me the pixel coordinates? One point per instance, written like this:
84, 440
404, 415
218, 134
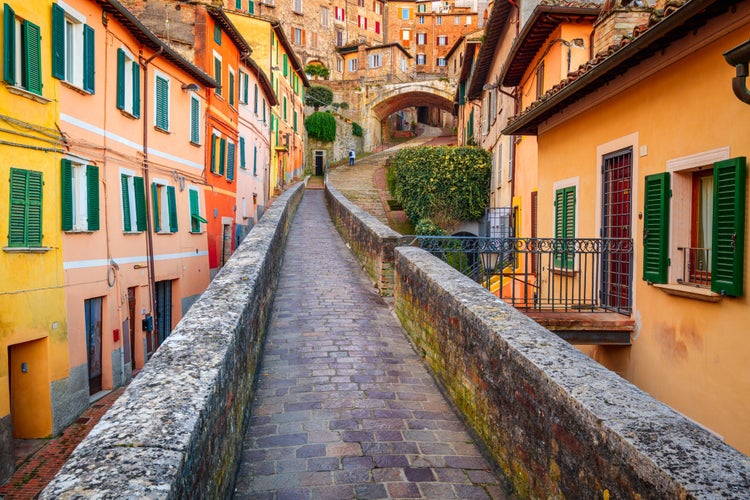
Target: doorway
93, 312
320, 157
163, 310
226, 244
130, 332
617, 269
30, 405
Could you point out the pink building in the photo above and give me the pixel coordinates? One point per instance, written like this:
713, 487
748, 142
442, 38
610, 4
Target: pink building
133, 216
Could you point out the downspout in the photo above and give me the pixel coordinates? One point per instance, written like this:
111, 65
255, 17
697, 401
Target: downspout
516, 107
739, 58
147, 188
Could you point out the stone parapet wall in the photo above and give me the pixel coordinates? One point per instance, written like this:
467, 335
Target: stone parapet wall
557, 423
371, 241
176, 432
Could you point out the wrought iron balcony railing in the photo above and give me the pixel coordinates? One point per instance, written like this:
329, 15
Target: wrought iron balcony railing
696, 266
544, 274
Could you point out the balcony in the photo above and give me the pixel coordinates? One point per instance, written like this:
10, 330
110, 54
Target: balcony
580, 288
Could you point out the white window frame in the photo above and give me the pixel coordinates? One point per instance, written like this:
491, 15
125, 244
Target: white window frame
353, 65
403, 64
441, 62
201, 210
325, 17
80, 190
194, 97
163, 76
219, 90
421, 59
130, 174
297, 6
378, 8
376, 60
164, 221
130, 60
438, 20
420, 19
339, 65
442, 40
74, 50
295, 32
421, 38
405, 35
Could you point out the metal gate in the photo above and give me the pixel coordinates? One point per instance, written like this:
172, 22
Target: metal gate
163, 309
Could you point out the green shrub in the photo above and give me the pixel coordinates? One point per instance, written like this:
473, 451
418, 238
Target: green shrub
317, 70
318, 96
357, 129
425, 227
321, 125
445, 184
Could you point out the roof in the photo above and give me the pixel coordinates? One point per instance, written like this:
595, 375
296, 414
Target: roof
543, 21
492, 31
676, 20
230, 29
474, 36
265, 83
149, 39
293, 59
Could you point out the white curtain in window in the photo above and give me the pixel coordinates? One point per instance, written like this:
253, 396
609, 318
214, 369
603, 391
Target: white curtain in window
705, 212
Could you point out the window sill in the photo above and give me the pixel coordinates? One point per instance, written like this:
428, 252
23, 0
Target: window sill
690, 292
128, 114
196, 144
297, 13
132, 233
26, 249
78, 231
562, 271
75, 88
163, 131
20, 91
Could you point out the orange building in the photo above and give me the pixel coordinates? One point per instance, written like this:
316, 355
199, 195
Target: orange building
640, 154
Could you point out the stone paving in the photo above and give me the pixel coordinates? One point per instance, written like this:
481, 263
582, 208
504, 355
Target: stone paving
344, 407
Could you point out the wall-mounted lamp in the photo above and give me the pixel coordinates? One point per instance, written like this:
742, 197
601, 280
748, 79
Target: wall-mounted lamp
739, 58
190, 86
274, 68
489, 86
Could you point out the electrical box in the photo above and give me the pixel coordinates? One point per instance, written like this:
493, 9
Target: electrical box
147, 323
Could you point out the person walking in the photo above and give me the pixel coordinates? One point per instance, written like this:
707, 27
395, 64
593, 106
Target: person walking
352, 155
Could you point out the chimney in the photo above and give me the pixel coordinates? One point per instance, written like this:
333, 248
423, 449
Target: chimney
617, 20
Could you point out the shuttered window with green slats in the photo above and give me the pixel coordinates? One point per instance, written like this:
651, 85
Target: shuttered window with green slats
195, 120
133, 203
231, 95
80, 197
565, 214
285, 65
251, 7
656, 228
25, 225
255, 99
243, 163
728, 242
255, 160
128, 84
161, 113
22, 52
217, 75
195, 215
230, 160
164, 201
73, 48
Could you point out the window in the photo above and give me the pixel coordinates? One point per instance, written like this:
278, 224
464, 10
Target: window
217, 34
565, 214
195, 211
324, 16
378, 8
421, 38
285, 65
217, 72
422, 7
255, 160
264, 110
403, 64
231, 160
164, 203
244, 81
251, 7
295, 121
25, 225
340, 65
456, 20
297, 6
438, 20
340, 14
314, 40
468, 20
377, 27
421, 59
231, 88
353, 65
161, 108
238, 4
22, 52
80, 196
441, 62
707, 215
362, 22
339, 38
420, 19
133, 202
404, 13
284, 109
540, 80
128, 83
195, 120
299, 36
255, 99
360, 3
243, 165
376, 61
405, 35
218, 153
442, 40
72, 48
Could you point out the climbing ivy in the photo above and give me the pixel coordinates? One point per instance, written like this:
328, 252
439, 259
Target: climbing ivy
444, 184
322, 126
357, 129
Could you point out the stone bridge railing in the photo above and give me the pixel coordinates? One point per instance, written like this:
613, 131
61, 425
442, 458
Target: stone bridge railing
176, 431
555, 421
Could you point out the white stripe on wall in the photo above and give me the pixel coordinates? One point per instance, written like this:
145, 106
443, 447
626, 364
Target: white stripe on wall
83, 264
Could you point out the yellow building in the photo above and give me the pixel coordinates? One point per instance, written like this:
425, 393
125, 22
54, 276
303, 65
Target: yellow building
34, 356
650, 142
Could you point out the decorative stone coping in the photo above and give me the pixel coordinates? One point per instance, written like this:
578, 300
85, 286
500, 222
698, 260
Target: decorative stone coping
176, 432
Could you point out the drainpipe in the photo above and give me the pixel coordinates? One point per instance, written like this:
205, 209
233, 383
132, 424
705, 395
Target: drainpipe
739, 58
147, 188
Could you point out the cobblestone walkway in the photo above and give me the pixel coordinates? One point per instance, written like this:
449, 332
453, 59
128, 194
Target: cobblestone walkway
344, 407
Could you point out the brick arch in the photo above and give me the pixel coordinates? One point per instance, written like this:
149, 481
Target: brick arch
388, 99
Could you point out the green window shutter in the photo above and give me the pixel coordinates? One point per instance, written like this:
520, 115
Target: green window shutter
230, 161
214, 153
195, 120
127, 223
222, 155
462, 93
25, 228
728, 241
120, 79
284, 108
656, 228
245, 83
172, 205
242, 152
255, 160
251, 7
33, 57
255, 105
238, 4
67, 195
139, 188
295, 120
9, 44
58, 42
217, 75
285, 61
470, 126
217, 34
195, 225
92, 194
136, 69
155, 206
565, 199
89, 59
231, 89
162, 103
34, 215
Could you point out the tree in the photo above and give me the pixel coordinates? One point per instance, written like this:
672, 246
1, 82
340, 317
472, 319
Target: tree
317, 70
319, 96
322, 126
